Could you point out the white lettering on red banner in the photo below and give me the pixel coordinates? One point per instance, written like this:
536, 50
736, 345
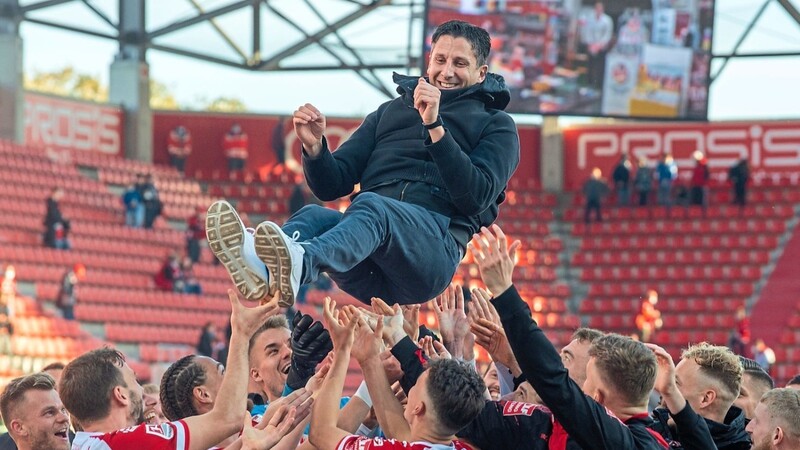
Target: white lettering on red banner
72, 125
770, 147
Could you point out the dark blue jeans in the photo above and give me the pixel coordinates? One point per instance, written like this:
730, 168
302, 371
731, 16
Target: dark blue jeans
379, 247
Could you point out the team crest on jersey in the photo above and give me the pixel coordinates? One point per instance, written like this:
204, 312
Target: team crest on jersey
519, 409
163, 431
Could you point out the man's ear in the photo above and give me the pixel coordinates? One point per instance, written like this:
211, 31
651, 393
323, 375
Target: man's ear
255, 375
599, 396
777, 436
709, 395
483, 71
18, 428
120, 395
202, 395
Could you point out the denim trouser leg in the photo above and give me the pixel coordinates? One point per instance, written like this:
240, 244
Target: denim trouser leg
381, 248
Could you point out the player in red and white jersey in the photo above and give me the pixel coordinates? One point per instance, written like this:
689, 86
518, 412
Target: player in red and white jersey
101, 392
447, 396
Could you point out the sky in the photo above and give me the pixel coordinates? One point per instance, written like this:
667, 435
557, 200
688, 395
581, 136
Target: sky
748, 88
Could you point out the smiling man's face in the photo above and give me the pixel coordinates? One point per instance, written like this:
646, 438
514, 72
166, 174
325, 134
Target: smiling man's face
453, 64
270, 359
45, 422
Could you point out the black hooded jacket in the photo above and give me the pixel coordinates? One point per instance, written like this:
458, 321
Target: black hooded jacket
730, 435
463, 176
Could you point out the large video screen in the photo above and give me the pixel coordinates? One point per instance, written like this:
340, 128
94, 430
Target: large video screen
616, 58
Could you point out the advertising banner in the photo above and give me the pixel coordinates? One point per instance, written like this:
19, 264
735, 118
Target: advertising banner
772, 149
62, 123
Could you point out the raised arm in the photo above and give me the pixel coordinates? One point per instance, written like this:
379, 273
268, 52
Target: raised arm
324, 433
230, 406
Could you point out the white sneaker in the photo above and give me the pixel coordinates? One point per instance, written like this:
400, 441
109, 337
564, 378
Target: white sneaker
283, 256
233, 245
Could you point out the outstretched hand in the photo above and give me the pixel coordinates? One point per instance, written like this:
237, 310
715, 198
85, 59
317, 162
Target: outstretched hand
341, 326
257, 438
246, 320
309, 126
495, 258
488, 330
453, 323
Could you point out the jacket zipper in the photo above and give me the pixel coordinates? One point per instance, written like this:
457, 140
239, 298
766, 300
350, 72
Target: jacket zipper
403, 192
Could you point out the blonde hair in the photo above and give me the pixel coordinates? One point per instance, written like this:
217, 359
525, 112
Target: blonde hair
720, 364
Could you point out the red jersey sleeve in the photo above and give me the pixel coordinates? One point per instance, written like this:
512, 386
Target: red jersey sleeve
353, 442
167, 436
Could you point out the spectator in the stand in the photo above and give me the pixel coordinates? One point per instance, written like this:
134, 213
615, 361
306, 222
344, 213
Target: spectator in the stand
649, 318
622, 181
755, 383
667, 172
205, 345
643, 181
152, 202
700, 177
279, 140
794, 383
776, 425
56, 227
764, 356
596, 34
191, 285
179, 146
740, 337
34, 415
134, 206
169, 276
594, 190
739, 175
236, 148
67, 296
195, 234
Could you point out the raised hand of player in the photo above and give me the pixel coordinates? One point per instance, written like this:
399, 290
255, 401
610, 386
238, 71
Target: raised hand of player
311, 342
393, 321
426, 101
495, 258
245, 320
281, 423
368, 343
666, 384
309, 126
453, 323
489, 333
434, 349
411, 321
340, 326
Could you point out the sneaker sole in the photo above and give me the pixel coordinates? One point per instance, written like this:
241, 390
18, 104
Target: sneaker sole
225, 238
272, 250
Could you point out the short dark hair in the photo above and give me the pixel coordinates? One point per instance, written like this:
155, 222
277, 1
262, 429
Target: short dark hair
15, 392
752, 369
628, 366
58, 365
587, 335
456, 392
477, 37
795, 380
177, 385
88, 381
272, 322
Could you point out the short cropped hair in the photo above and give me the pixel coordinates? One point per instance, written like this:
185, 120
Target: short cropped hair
88, 381
720, 364
477, 37
15, 392
754, 371
456, 392
794, 380
628, 366
272, 322
58, 365
587, 335
783, 404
